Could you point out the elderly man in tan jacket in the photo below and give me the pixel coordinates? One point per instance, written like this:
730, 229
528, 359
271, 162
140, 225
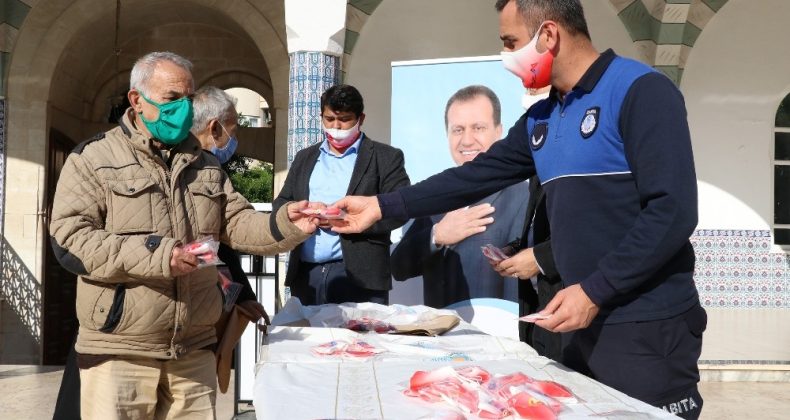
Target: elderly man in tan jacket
126, 203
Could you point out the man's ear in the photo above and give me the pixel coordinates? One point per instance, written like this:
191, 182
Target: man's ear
215, 129
361, 119
498, 131
134, 100
552, 33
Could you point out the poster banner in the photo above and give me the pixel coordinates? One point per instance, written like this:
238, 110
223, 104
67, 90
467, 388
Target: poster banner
420, 90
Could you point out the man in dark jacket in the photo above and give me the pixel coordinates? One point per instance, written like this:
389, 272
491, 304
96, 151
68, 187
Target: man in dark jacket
445, 249
332, 268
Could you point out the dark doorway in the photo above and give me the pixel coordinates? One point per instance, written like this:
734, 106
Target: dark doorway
59, 326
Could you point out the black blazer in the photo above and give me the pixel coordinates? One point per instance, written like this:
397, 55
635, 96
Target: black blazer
537, 220
379, 169
549, 283
459, 272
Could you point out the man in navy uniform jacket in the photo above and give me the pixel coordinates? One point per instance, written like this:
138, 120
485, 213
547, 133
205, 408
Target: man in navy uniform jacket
611, 146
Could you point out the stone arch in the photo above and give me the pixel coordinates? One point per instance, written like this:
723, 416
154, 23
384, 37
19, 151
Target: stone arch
42, 46
45, 34
732, 105
357, 14
665, 32
225, 80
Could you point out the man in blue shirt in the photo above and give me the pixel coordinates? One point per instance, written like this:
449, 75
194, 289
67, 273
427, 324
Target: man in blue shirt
612, 149
332, 268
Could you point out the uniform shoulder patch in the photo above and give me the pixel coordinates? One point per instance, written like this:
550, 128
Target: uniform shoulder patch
590, 122
80, 147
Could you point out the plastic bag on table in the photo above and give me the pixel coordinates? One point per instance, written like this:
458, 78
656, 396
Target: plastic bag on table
366, 324
332, 348
462, 388
507, 386
356, 349
205, 249
535, 406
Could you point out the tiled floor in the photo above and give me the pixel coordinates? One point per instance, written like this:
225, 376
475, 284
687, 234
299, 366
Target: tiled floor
29, 392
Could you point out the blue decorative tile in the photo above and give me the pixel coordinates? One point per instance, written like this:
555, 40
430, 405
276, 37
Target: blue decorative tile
311, 73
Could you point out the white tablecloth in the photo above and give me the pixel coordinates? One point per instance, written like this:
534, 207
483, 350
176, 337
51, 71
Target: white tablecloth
293, 384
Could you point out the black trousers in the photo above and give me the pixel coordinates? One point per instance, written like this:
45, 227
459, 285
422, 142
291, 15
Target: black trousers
67, 406
545, 342
321, 283
652, 361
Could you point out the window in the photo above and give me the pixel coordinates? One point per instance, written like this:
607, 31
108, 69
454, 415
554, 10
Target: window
782, 174
253, 121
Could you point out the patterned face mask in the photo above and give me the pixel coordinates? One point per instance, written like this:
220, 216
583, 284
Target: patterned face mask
532, 67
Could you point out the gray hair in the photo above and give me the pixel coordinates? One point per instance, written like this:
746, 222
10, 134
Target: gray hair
144, 68
211, 103
471, 92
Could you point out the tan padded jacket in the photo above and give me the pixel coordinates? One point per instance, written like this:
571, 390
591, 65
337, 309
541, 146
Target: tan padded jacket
117, 214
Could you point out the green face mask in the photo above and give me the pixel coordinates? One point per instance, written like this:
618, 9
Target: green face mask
174, 122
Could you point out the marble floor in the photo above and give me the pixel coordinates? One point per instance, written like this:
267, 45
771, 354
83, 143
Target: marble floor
29, 392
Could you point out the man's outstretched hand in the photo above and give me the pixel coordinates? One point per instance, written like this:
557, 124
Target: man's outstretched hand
306, 223
361, 213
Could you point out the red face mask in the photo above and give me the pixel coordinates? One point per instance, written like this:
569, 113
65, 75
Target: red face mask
342, 139
532, 67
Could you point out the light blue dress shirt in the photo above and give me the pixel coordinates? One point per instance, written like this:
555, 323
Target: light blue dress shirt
329, 183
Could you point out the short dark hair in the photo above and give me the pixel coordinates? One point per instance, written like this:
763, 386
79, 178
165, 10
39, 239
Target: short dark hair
342, 98
470, 92
568, 13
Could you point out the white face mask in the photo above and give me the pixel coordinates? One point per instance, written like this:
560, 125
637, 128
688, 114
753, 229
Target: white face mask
532, 67
342, 138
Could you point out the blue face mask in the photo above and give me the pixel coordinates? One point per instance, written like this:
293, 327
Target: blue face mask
224, 154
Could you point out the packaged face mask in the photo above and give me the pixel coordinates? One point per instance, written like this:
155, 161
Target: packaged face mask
205, 249
493, 253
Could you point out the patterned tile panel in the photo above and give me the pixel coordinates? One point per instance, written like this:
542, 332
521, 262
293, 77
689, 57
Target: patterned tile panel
310, 75
738, 269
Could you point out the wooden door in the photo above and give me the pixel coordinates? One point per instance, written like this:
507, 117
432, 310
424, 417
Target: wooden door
60, 286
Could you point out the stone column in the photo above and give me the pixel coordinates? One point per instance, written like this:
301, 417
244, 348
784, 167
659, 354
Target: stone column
2, 160
316, 34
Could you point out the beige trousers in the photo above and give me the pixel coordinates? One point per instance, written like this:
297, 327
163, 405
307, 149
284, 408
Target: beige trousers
185, 388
